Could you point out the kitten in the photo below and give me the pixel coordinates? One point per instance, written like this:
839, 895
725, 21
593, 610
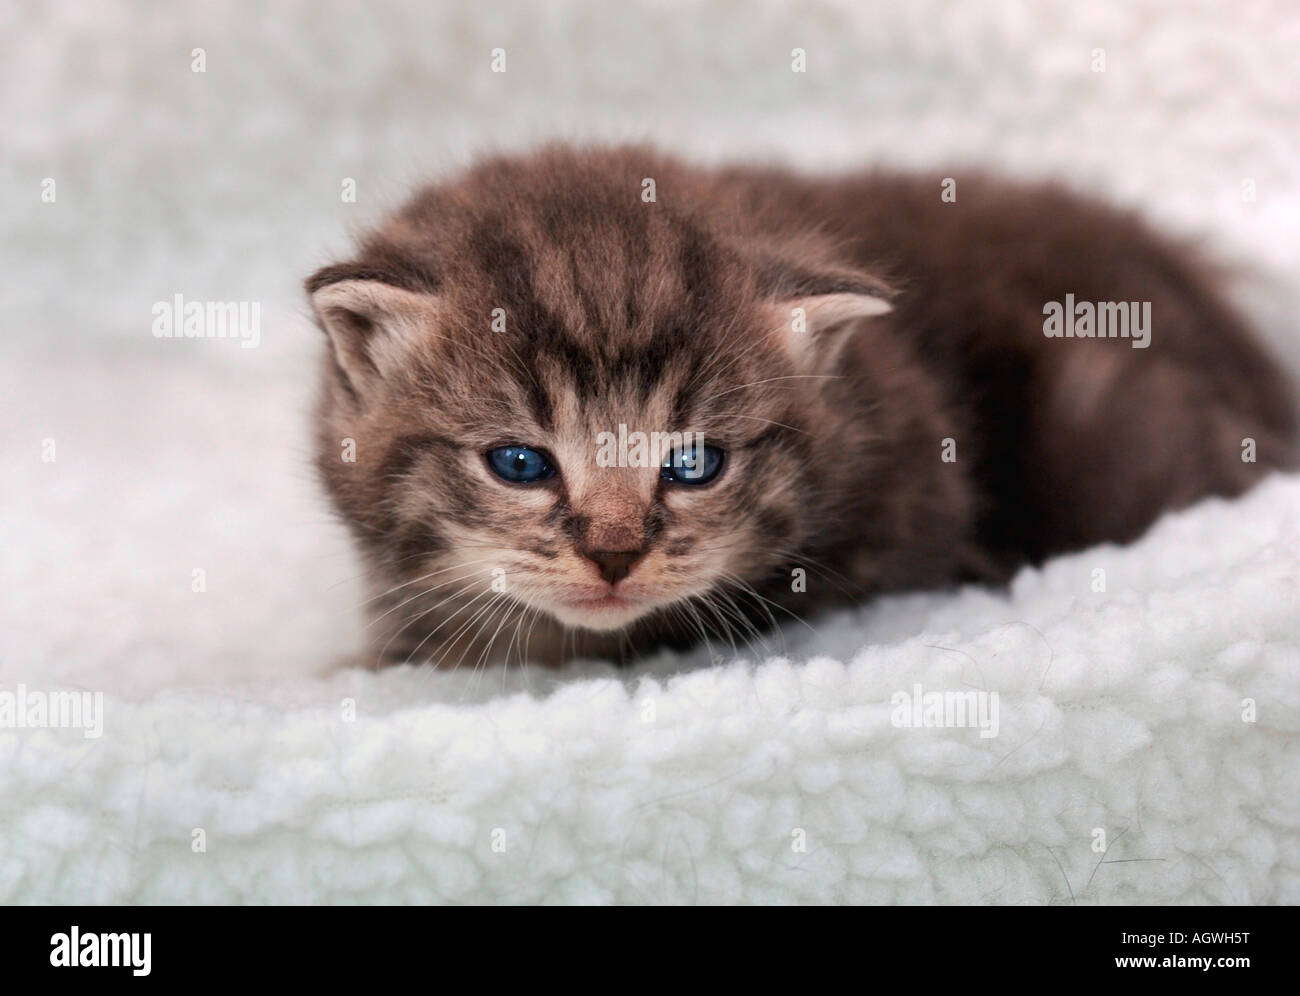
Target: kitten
872, 388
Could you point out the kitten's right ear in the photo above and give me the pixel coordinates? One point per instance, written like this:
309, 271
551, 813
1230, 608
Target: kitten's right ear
371, 325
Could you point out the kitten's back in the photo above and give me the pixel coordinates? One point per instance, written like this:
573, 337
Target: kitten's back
1071, 441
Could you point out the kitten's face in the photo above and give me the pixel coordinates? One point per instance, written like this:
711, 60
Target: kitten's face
521, 482
593, 411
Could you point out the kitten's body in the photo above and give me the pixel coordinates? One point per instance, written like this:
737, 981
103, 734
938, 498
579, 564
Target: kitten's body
679, 314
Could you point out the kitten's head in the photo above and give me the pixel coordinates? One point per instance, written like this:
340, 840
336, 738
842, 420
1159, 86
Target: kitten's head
591, 403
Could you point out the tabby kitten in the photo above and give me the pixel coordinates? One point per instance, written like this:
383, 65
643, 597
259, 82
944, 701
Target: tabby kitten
833, 388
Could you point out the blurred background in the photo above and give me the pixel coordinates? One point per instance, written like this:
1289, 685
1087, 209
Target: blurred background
177, 455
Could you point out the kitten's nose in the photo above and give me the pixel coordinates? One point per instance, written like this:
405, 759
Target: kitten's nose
614, 565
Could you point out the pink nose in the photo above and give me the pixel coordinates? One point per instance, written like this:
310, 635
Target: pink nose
614, 565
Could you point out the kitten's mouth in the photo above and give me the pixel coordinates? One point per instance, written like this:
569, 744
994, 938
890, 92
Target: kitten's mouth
610, 601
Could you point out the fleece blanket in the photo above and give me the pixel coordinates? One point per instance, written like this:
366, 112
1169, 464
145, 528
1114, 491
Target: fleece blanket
1137, 744
178, 722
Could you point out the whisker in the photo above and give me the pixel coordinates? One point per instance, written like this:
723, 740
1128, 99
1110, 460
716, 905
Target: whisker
425, 577
450, 642
771, 380
768, 421
439, 626
421, 594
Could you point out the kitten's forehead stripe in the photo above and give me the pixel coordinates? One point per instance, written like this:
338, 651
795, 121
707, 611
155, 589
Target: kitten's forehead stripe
506, 261
697, 259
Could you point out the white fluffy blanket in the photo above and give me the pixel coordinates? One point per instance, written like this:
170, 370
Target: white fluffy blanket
1129, 764
1146, 746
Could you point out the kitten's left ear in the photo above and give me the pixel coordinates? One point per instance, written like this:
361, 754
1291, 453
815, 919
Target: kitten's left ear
815, 312
816, 327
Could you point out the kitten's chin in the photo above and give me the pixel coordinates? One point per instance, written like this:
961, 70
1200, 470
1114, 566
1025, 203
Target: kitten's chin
602, 614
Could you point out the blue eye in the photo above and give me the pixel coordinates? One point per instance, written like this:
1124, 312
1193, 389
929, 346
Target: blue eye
519, 464
693, 465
